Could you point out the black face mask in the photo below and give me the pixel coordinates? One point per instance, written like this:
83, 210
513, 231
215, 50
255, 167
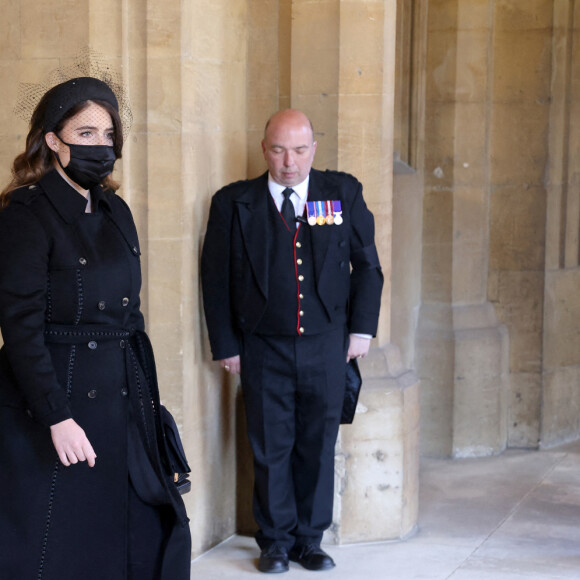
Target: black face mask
89, 164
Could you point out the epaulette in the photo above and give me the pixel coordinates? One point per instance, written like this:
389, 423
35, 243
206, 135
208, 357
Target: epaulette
340, 174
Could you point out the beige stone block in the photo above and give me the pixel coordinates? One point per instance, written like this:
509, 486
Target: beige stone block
10, 30
560, 403
512, 126
51, 30
360, 140
524, 410
471, 155
361, 47
213, 102
514, 79
573, 144
520, 308
438, 217
105, 27
435, 366
562, 319
480, 403
469, 272
218, 30
164, 29
517, 228
315, 47
532, 14
164, 96
377, 461
463, 15
440, 145
437, 272
442, 66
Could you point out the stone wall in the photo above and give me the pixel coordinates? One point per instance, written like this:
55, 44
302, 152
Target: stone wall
497, 333
203, 76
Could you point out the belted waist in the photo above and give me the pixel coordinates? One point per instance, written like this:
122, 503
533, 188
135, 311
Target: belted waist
71, 334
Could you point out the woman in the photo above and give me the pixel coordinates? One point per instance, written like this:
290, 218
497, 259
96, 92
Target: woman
83, 483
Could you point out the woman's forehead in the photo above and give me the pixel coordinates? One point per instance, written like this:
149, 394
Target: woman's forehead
92, 115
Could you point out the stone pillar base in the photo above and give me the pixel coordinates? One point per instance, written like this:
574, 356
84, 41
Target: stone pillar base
377, 457
463, 364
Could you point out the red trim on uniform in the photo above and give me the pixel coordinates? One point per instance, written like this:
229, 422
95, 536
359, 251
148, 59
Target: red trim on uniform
297, 281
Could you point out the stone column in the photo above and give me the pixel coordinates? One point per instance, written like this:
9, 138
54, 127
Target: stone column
342, 76
462, 349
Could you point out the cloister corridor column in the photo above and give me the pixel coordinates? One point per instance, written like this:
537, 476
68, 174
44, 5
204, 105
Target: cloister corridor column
342, 68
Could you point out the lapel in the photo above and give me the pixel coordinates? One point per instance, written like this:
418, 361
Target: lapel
321, 235
252, 207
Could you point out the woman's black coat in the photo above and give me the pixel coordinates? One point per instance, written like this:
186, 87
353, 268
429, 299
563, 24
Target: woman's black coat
74, 346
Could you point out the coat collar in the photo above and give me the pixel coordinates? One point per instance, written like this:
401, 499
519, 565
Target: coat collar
69, 203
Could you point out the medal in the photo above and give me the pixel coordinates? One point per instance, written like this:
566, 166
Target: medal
320, 213
311, 213
337, 211
329, 217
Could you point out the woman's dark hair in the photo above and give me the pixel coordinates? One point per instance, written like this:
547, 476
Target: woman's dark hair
38, 159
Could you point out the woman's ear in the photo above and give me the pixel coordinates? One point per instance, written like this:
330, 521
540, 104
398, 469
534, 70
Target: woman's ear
52, 141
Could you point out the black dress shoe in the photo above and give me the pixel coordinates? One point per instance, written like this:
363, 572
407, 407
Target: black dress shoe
312, 557
273, 560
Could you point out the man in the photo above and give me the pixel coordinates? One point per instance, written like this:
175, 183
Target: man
284, 309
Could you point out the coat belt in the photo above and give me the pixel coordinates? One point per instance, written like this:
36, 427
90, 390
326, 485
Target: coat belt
71, 334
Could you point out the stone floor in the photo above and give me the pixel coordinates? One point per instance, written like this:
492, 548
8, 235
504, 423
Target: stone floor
516, 516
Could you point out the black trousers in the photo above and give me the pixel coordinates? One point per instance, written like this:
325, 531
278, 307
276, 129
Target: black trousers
293, 391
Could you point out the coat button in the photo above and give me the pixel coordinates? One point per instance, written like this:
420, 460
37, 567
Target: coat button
301, 278
125, 301
342, 264
102, 305
341, 244
302, 313
301, 330
299, 261
92, 394
298, 245
92, 344
124, 392
83, 261
122, 344
135, 250
301, 296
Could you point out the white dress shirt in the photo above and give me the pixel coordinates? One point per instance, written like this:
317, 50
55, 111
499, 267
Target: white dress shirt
298, 198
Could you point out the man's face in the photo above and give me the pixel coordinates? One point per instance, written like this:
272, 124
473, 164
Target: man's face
289, 148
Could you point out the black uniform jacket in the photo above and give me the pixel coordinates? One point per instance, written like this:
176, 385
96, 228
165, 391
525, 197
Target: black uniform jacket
234, 269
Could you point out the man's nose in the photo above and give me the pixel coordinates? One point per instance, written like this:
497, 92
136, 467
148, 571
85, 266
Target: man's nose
288, 159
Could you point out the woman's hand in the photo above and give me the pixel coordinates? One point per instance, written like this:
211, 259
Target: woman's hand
71, 443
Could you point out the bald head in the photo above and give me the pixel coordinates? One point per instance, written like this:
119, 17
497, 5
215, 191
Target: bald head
289, 147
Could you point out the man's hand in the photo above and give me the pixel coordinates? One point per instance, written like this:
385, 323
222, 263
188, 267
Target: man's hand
71, 443
232, 364
358, 347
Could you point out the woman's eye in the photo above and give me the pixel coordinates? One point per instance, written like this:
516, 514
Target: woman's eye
86, 134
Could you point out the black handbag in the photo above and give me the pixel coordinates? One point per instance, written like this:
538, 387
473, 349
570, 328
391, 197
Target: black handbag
351, 391
175, 452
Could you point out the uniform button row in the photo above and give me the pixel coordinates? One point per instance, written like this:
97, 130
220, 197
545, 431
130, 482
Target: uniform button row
92, 344
101, 305
92, 394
